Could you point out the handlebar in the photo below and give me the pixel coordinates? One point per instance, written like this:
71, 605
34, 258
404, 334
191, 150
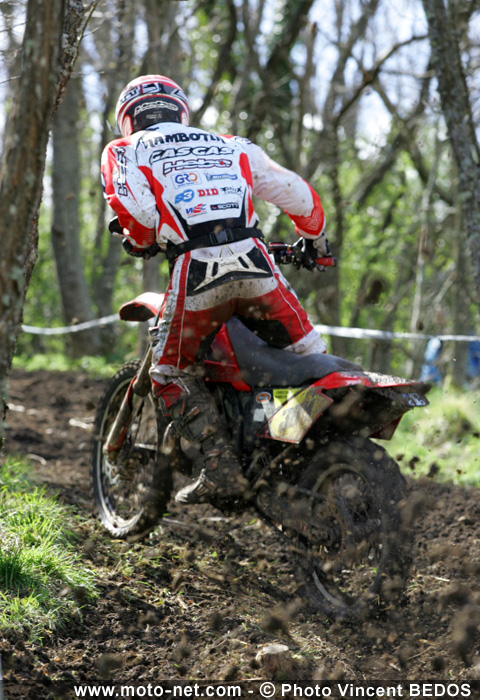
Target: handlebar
300, 254
296, 254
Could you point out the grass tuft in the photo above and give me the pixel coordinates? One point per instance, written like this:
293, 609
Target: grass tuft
97, 367
443, 439
40, 570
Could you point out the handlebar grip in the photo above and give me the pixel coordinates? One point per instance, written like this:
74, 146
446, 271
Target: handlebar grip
326, 261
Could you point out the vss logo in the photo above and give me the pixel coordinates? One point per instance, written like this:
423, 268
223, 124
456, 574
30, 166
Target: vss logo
185, 196
195, 211
186, 179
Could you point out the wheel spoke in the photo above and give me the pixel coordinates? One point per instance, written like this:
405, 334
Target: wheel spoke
123, 487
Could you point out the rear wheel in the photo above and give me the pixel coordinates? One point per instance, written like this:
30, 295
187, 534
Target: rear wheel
132, 493
358, 549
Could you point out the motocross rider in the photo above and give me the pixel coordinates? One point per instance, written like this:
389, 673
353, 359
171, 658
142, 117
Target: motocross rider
188, 193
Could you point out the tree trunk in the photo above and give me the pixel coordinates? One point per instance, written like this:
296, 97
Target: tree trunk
52, 33
452, 85
66, 224
463, 323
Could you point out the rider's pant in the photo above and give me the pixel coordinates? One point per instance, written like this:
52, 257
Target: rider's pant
210, 286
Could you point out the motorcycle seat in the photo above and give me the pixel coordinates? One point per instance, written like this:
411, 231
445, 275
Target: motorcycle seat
263, 365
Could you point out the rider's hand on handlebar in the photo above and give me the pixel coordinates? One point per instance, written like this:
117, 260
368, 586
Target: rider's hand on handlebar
116, 228
145, 253
312, 259
301, 254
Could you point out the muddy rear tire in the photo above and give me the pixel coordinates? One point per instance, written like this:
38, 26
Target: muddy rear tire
358, 551
130, 496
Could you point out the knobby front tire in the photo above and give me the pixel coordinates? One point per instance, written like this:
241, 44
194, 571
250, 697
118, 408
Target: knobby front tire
131, 495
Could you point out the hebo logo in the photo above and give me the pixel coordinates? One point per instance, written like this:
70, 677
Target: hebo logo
182, 164
183, 179
185, 196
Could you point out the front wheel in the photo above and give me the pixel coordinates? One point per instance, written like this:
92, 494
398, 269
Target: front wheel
130, 494
358, 549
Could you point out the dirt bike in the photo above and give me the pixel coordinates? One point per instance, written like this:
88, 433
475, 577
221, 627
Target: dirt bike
303, 427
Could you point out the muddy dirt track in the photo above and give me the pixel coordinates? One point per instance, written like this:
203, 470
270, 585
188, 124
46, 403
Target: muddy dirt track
205, 593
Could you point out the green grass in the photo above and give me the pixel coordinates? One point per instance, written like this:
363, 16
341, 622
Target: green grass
59, 362
43, 581
443, 439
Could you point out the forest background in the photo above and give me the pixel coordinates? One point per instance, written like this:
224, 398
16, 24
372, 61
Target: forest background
345, 92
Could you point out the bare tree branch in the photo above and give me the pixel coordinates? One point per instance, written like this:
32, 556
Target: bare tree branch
371, 74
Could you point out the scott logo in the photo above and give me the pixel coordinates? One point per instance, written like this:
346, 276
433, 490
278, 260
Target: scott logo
224, 205
186, 196
187, 179
208, 193
195, 211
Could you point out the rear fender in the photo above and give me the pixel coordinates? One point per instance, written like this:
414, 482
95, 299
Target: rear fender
372, 404
375, 380
142, 308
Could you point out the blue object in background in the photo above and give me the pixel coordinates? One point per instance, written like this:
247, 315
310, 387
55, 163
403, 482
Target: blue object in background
430, 371
473, 368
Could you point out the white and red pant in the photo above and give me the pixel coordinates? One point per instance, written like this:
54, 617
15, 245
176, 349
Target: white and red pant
207, 288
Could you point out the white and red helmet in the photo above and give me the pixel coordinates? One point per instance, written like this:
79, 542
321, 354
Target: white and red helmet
150, 99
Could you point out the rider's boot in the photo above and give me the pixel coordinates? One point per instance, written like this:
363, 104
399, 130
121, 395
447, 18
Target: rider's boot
195, 417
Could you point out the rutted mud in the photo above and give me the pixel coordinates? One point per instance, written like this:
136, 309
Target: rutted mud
202, 596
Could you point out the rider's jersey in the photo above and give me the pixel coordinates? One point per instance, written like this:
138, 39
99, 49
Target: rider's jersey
171, 183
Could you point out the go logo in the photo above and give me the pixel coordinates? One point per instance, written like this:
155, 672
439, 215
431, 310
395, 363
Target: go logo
186, 179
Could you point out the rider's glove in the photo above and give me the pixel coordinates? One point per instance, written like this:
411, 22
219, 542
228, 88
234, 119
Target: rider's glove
320, 242
115, 226
145, 253
310, 254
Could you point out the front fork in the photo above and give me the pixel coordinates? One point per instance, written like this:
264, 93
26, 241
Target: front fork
132, 402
